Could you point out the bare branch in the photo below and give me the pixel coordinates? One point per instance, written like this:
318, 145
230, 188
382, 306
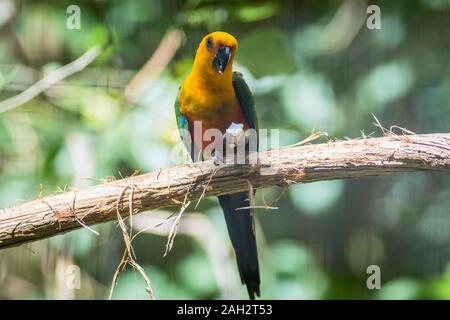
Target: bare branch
50, 216
158, 61
52, 78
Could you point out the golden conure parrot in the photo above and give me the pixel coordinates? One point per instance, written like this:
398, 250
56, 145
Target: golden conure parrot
215, 96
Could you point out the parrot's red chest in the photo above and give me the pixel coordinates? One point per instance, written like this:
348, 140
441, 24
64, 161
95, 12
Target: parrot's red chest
211, 110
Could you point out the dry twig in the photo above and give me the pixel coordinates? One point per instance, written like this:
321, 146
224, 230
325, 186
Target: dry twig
128, 256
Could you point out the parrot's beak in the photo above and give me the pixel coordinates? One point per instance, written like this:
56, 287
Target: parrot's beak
222, 58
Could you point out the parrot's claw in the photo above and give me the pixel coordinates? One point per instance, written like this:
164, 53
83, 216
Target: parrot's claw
234, 134
217, 158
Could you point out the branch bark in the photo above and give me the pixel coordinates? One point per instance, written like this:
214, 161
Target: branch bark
53, 215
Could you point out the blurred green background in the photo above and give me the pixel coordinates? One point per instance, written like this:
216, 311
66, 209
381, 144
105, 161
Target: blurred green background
311, 65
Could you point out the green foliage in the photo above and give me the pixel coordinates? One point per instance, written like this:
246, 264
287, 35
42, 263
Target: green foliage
264, 52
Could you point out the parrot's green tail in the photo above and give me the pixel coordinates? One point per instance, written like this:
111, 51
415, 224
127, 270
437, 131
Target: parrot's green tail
242, 234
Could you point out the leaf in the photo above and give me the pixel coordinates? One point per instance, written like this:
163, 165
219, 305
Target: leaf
6, 77
264, 52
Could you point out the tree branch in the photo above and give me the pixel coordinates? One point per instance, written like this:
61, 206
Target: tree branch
52, 78
53, 215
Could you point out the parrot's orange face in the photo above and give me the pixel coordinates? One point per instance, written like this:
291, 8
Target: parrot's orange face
217, 50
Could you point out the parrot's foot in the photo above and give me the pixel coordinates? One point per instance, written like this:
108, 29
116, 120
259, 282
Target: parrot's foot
234, 135
217, 158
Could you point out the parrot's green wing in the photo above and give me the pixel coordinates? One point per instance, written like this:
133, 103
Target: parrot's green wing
181, 119
245, 98
183, 128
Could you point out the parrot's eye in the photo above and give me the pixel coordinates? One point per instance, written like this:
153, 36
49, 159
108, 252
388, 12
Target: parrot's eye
209, 43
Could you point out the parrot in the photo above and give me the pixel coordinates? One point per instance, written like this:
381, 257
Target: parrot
219, 98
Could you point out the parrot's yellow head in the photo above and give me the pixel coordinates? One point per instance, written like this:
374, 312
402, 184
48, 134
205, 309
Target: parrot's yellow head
216, 52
